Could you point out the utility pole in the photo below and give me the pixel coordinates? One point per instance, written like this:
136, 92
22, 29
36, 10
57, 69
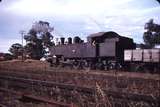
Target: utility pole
22, 32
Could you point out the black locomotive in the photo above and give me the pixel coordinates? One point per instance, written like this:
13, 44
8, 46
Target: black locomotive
103, 50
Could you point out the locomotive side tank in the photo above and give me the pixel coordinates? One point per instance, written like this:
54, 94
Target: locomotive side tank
74, 51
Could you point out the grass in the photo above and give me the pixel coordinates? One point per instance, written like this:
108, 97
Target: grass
123, 82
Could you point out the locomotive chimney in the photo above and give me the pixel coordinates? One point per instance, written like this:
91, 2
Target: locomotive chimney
62, 40
77, 39
69, 40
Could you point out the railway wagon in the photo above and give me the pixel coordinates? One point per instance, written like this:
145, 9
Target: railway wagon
143, 59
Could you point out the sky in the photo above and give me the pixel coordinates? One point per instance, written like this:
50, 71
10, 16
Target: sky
76, 17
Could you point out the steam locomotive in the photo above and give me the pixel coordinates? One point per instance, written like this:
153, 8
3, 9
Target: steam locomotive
103, 50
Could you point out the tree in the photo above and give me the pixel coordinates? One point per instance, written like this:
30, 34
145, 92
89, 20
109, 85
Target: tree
38, 39
158, 1
8, 56
46, 39
16, 50
152, 36
44, 30
34, 47
35, 50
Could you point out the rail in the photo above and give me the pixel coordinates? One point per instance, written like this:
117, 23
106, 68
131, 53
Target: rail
36, 98
114, 94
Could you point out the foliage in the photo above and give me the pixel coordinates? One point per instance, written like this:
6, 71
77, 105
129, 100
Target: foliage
158, 1
16, 49
8, 56
38, 39
144, 46
152, 35
46, 39
35, 50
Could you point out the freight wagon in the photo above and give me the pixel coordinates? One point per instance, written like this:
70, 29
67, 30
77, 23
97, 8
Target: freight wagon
143, 59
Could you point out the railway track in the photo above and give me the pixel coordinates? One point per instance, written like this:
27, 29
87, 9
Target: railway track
31, 98
81, 72
19, 83
2, 105
117, 82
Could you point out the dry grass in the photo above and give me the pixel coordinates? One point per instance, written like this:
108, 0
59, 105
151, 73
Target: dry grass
90, 79
27, 65
40, 66
123, 81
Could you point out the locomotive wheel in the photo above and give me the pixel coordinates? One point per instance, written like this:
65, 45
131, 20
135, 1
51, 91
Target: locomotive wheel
86, 65
111, 66
141, 68
119, 66
76, 65
100, 66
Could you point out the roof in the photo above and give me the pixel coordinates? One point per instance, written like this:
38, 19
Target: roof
109, 34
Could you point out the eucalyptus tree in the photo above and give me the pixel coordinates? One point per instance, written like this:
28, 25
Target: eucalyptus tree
38, 39
152, 35
16, 49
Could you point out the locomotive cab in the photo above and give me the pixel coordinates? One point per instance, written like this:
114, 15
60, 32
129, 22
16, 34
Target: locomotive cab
110, 47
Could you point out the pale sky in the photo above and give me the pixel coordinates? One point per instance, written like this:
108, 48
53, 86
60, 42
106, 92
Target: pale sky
76, 17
